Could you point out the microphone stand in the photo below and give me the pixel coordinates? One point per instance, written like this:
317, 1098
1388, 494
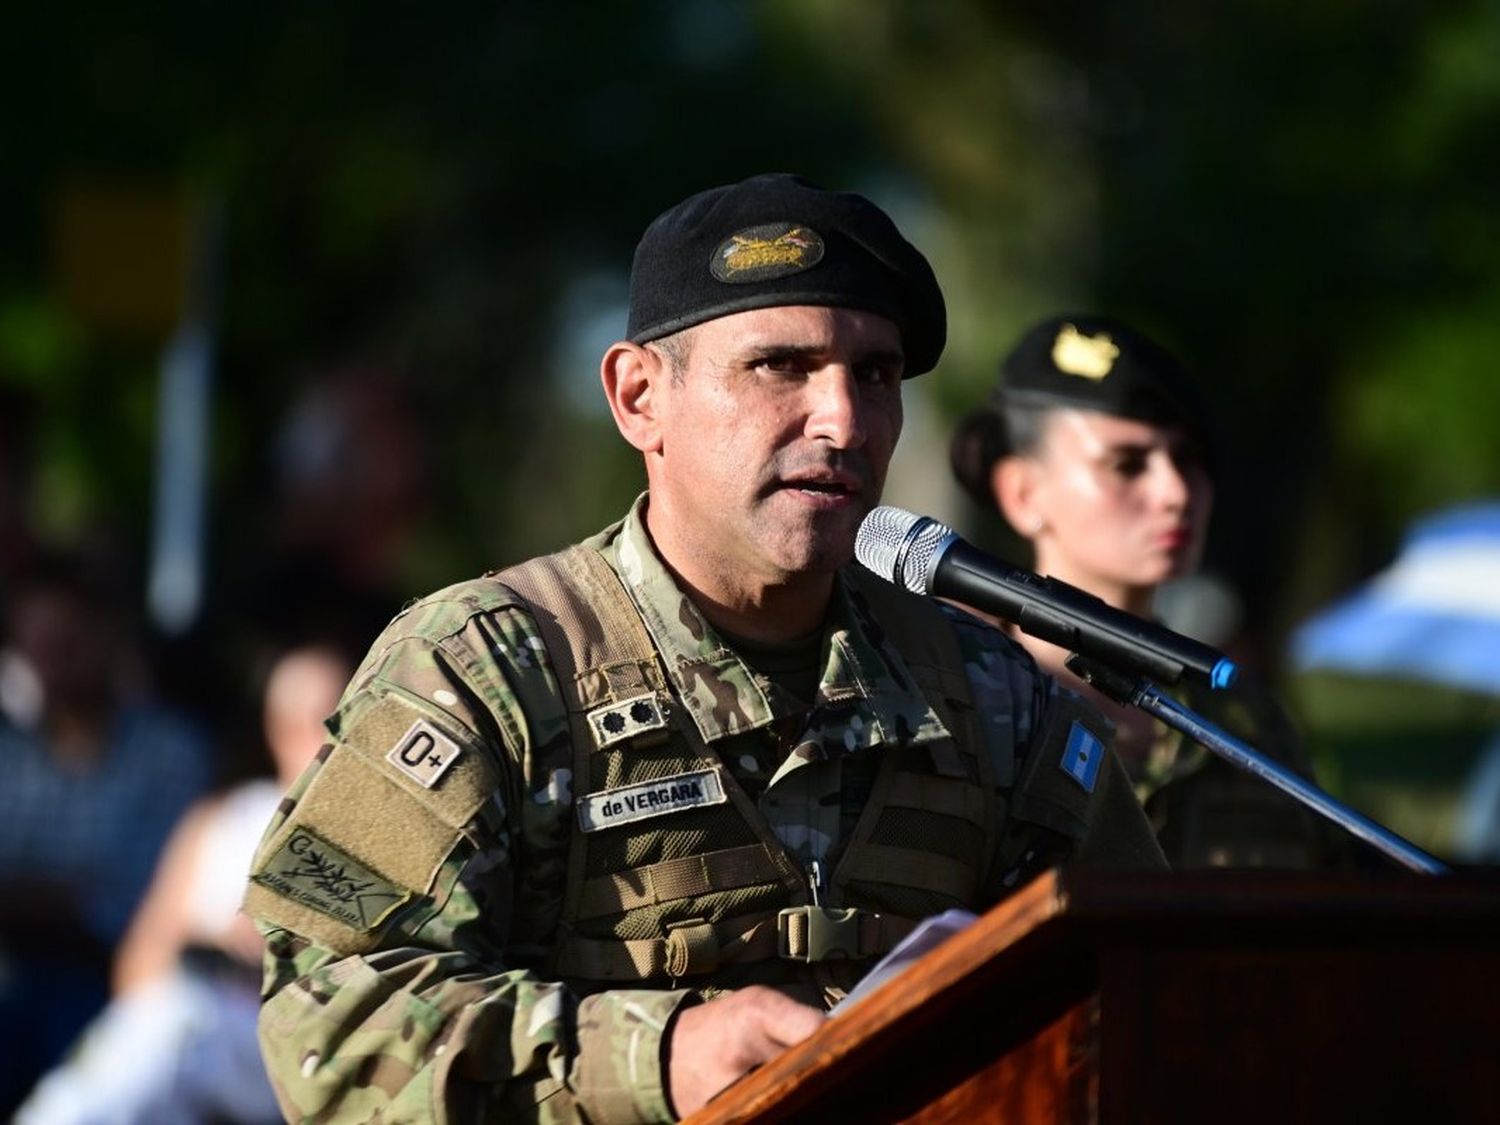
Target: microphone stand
1146, 696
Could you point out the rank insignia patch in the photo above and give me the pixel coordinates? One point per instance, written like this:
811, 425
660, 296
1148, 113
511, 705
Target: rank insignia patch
768, 251
309, 870
424, 753
651, 798
627, 718
1092, 357
1082, 757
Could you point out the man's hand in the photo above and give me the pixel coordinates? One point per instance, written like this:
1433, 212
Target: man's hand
717, 1043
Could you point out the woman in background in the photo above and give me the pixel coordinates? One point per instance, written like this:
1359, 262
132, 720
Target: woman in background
1097, 448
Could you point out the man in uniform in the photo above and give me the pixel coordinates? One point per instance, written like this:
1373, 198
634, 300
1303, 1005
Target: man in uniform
598, 834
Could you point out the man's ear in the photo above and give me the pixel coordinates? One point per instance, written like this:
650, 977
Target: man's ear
632, 375
1015, 484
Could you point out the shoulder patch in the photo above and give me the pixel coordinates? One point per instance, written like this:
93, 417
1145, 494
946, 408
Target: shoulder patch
424, 753
1062, 766
309, 870
1082, 756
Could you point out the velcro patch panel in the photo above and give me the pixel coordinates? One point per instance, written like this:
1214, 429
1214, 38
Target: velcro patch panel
446, 775
357, 831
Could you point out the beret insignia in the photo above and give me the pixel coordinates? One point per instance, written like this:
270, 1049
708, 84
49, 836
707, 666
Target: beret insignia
767, 251
1092, 357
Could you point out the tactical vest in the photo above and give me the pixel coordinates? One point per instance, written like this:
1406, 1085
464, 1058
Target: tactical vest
705, 893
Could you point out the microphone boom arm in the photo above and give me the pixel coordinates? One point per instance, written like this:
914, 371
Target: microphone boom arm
1116, 652
1146, 696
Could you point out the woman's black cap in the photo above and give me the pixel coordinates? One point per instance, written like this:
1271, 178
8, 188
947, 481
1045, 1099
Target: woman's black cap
1087, 363
777, 240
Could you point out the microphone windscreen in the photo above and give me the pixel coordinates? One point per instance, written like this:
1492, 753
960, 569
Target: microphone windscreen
899, 546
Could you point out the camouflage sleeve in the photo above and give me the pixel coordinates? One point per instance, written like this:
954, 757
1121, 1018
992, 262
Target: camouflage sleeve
1066, 794
407, 887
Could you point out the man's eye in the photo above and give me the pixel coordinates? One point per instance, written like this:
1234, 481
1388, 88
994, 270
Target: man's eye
1130, 467
878, 374
778, 365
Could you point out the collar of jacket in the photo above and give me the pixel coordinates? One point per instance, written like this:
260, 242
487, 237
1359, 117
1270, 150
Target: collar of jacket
866, 696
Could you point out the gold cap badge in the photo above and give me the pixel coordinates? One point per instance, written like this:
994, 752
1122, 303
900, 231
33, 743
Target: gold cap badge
1092, 357
768, 251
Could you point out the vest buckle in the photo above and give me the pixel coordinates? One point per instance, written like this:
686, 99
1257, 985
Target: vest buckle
815, 933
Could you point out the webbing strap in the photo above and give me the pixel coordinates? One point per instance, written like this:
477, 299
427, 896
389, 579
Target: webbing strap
904, 867
752, 937
606, 646
725, 870
605, 635
748, 938
944, 795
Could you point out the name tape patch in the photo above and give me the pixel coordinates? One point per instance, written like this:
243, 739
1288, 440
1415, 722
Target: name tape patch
627, 718
652, 798
424, 753
309, 870
1083, 756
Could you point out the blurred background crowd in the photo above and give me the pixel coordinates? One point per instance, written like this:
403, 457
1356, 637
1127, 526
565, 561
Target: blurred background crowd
301, 307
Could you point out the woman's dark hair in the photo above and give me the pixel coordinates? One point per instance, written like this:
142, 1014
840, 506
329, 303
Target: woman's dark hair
996, 430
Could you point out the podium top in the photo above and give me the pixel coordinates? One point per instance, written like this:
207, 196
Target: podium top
1038, 952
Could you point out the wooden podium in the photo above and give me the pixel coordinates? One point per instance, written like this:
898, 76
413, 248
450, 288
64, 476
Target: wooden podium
1199, 997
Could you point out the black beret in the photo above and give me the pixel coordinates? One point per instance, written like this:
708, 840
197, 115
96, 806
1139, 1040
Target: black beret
1088, 363
778, 240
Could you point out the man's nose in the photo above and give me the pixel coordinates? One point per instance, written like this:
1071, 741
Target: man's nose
835, 411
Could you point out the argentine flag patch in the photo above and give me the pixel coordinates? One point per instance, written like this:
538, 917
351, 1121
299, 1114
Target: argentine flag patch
1083, 756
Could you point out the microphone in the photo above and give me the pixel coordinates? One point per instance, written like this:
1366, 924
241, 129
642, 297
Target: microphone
927, 557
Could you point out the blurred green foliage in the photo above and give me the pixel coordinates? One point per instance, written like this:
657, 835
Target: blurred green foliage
1397, 750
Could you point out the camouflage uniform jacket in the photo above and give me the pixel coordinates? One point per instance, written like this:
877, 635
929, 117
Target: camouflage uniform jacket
1208, 813
411, 884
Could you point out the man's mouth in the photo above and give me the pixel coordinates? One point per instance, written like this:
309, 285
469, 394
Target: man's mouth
833, 485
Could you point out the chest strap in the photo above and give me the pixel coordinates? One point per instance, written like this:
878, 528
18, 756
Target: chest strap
909, 867
802, 933
687, 877
603, 652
